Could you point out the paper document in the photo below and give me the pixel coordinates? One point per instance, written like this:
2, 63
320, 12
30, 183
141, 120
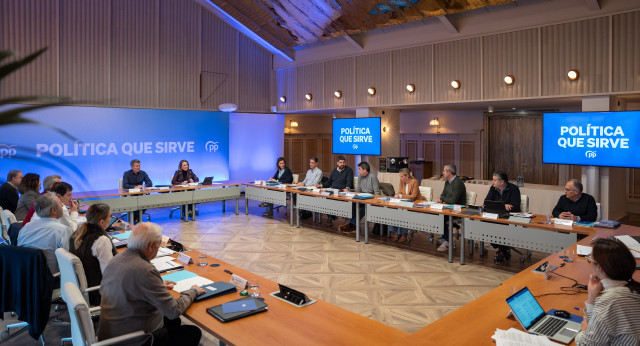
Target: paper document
516, 337
186, 284
164, 251
582, 250
164, 264
123, 235
631, 243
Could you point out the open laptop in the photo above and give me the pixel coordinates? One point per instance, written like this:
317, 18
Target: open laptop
472, 210
496, 207
534, 320
207, 181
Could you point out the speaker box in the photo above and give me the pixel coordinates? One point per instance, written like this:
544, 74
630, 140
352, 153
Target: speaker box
394, 164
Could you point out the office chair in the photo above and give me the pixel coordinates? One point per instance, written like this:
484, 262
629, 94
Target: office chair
470, 200
72, 270
524, 208
4, 224
82, 330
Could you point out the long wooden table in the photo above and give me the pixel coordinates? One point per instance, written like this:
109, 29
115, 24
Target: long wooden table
320, 323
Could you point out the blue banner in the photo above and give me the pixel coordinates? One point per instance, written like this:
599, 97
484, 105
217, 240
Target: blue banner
91, 147
359, 136
592, 139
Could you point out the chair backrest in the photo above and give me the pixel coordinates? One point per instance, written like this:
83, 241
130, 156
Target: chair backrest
71, 270
599, 212
355, 183
426, 192
4, 223
120, 183
82, 332
295, 178
524, 203
471, 198
14, 232
9, 216
387, 189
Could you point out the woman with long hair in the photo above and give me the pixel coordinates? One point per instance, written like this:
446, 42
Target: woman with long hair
29, 190
183, 176
283, 175
612, 318
408, 190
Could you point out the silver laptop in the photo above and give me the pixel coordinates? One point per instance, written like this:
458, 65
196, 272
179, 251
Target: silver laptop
534, 320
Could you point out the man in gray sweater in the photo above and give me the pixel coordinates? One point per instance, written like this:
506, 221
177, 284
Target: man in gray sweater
367, 183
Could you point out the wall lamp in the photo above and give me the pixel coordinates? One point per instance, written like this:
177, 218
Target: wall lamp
509, 79
573, 74
338, 94
455, 84
385, 129
283, 99
293, 123
435, 122
308, 96
371, 91
411, 88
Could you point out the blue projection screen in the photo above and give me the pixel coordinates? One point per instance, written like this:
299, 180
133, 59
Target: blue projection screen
105, 140
592, 139
359, 136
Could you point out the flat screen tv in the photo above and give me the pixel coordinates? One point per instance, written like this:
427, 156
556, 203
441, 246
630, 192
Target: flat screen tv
358, 136
592, 138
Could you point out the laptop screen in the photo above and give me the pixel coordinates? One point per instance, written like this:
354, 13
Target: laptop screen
525, 307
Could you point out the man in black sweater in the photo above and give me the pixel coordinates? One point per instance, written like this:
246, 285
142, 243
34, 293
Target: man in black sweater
341, 178
503, 190
9, 191
575, 205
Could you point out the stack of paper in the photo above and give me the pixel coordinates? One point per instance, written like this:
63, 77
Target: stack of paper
631, 243
184, 279
164, 251
583, 250
166, 263
516, 337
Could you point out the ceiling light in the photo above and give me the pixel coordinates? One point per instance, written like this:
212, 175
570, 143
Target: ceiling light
490, 109
308, 96
455, 84
371, 91
573, 74
227, 107
411, 88
283, 99
338, 93
509, 80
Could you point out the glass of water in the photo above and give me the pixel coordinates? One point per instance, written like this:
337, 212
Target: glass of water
254, 288
203, 260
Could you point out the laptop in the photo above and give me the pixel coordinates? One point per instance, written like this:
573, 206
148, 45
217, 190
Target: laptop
218, 310
535, 321
472, 210
496, 207
207, 181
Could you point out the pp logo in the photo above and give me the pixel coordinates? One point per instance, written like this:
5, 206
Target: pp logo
211, 146
7, 151
355, 146
590, 154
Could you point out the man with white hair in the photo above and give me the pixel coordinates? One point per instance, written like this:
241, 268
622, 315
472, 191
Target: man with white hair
134, 296
46, 233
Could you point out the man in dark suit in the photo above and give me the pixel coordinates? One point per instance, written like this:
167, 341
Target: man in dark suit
454, 192
9, 191
503, 190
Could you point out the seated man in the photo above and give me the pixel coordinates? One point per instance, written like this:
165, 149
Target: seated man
503, 190
341, 178
134, 178
134, 296
314, 174
575, 205
9, 191
46, 185
367, 183
454, 192
69, 216
47, 233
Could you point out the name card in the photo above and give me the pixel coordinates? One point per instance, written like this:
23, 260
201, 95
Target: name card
457, 208
192, 184
164, 187
437, 206
184, 258
394, 200
258, 182
490, 216
405, 204
281, 186
135, 190
325, 193
238, 281
349, 194
564, 222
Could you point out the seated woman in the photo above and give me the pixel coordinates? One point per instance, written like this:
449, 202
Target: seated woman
283, 175
183, 176
408, 190
94, 248
29, 190
614, 317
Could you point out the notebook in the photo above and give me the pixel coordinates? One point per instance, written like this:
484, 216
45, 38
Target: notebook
534, 320
216, 289
217, 311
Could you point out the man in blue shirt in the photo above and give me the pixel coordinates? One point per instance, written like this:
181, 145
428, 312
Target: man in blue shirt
134, 178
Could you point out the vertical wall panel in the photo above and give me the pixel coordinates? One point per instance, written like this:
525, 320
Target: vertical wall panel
254, 75
310, 80
339, 75
84, 50
582, 45
134, 53
457, 60
412, 66
219, 61
373, 70
287, 85
178, 75
516, 54
27, 26
626, 52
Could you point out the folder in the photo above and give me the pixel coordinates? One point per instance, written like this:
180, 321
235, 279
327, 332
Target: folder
217, 312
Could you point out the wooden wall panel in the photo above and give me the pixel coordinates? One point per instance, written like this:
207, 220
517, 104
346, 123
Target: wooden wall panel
373, 70
429, 150
84, 50
295, 161
513, 53
458, 60
179, 84
412, 66
467, 158
287, 86
325, 160
583, 45
134, 53
287, 146
254, 76
339, 75
310, 80
411, 149
27, 26
447, 151
626, 52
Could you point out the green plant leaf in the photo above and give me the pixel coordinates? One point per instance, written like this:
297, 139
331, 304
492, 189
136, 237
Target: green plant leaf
7, 53
12, 66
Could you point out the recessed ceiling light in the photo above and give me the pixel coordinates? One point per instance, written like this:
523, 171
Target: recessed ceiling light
411, 88
509, 79
455, 84
371, 91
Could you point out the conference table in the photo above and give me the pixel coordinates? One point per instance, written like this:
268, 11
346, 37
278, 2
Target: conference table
131, 201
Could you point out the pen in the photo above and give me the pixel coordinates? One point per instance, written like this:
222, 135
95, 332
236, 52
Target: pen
228, 271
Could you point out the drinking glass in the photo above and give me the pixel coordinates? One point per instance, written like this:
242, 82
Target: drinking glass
203, 260
254, 288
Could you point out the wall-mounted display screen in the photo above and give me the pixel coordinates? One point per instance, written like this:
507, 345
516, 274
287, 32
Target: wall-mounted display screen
358, 136
592, 138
